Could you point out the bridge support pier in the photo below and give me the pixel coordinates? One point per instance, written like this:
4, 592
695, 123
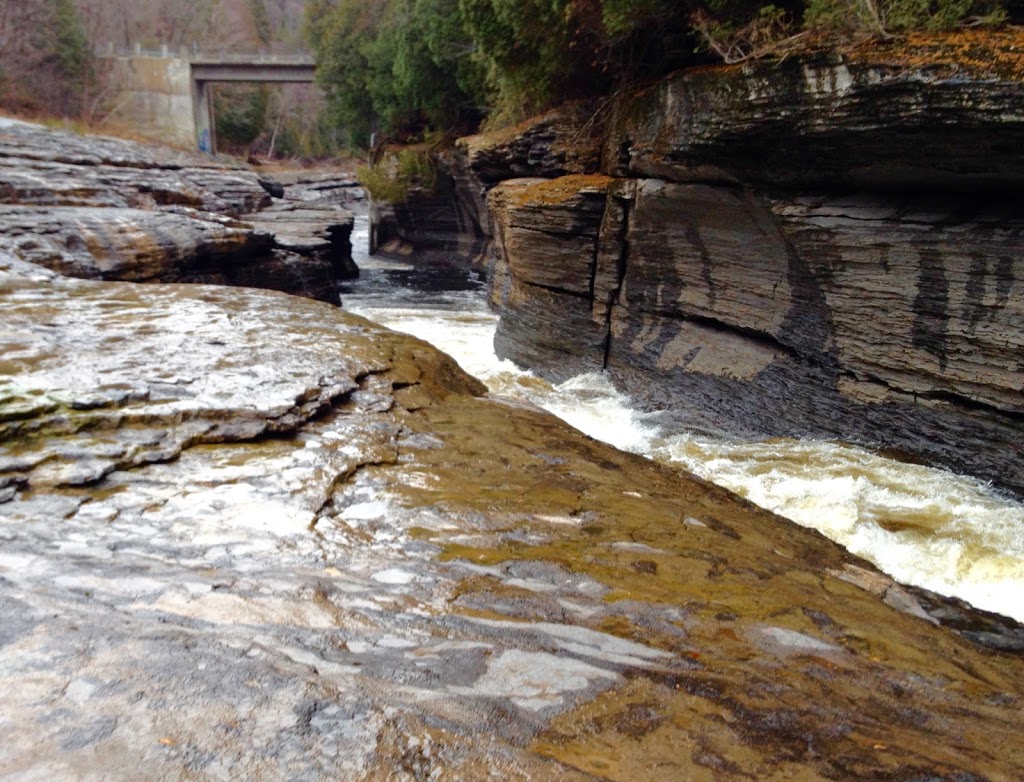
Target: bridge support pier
207, 71
206, 130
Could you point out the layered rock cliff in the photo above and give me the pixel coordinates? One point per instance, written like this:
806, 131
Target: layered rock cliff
105, 208
829, 246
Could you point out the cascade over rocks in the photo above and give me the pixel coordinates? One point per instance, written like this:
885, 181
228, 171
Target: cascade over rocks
105, 208
248, 534
826, 246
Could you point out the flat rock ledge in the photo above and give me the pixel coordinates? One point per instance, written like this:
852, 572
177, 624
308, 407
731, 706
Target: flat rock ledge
104, 208
248, 535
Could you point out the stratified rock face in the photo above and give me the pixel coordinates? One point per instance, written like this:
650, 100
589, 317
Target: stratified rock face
827, 121
796, 306
248, 535
441, 224
888, 321
49, 168
547, 234
566, 140
111, 209
312, 231
451, 224
427, 222
127, 244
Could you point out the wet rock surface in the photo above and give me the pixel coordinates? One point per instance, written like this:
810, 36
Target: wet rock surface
311, 216
313, 231
808, 247
45, 167
246, 534
103, 208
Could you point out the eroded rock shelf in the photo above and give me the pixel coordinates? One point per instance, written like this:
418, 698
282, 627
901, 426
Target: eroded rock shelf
246, 534
104, 208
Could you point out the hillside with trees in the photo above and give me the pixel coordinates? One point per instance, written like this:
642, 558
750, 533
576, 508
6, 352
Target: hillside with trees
402, 67
409, 69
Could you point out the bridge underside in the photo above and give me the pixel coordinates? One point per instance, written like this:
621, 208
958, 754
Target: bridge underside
206, 73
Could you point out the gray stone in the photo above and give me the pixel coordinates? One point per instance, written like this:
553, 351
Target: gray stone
784, 275
279, 577
112, 209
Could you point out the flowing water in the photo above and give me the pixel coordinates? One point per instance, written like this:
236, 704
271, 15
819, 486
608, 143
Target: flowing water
923, 526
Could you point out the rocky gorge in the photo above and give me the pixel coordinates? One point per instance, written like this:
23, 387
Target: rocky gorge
828, 245
246, 534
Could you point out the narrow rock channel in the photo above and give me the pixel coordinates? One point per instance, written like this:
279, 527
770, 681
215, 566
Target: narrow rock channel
248, 535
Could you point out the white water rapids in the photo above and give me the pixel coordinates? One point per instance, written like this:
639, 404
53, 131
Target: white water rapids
923, 526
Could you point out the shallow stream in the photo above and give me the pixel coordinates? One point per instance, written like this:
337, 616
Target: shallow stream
923, 526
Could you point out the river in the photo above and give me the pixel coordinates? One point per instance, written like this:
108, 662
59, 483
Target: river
923, 526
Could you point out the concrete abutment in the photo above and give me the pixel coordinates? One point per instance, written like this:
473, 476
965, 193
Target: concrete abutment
170, 98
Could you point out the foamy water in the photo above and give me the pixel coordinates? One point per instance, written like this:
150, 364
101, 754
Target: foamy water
923, 526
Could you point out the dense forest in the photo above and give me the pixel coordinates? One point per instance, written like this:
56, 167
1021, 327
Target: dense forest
403, 67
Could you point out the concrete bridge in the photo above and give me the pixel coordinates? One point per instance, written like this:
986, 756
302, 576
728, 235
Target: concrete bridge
167, 96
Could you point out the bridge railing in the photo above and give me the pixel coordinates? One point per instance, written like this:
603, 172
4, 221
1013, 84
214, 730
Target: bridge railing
202, 56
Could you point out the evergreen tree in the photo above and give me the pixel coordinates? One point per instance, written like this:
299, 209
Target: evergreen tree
403, 65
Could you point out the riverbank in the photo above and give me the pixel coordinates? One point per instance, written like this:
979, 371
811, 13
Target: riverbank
270, 537
247, 533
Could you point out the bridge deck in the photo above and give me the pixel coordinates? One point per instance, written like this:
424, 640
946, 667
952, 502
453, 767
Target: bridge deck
252, 71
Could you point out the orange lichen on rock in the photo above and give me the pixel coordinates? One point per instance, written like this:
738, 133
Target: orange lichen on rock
994, 53
552, 192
